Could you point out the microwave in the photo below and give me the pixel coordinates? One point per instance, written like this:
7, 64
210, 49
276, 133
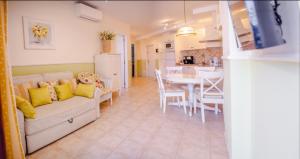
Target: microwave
169, 46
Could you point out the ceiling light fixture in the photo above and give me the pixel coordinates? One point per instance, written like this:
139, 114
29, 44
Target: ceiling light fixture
185, 30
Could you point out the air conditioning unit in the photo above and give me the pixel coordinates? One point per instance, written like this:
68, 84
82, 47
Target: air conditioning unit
88, 12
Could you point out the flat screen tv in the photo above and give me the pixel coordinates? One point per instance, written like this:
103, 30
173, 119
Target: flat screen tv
257, 24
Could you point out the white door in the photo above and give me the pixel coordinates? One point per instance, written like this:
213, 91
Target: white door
151, 61
120, 46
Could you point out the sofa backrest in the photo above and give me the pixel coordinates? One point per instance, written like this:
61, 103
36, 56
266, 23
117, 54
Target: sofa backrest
35, 78
57, 76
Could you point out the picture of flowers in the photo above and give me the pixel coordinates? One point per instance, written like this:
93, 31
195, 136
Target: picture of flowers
38, 34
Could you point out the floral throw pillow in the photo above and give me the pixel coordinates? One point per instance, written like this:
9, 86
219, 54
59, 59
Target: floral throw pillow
90, 78
86, 77
50, 85
21, 89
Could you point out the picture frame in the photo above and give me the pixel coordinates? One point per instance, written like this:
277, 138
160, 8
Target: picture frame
38, 34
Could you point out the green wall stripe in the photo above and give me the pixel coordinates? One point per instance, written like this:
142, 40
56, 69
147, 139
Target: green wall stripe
36, 69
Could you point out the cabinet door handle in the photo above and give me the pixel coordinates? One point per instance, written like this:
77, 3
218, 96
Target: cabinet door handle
70, 120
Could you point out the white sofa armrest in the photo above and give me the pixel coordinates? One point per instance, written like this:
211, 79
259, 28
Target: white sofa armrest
21, 122
107, 82
97, 96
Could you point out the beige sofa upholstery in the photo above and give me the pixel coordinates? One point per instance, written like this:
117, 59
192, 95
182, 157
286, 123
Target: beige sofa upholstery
58, 119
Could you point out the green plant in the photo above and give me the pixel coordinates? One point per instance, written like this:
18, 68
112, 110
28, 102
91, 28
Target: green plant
106, 35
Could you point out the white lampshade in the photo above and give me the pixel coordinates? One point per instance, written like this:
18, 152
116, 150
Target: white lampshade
184, 31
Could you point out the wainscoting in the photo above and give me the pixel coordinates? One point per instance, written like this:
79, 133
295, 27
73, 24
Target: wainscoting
36, 69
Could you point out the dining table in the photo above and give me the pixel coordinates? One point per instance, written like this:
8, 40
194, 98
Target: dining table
189, 79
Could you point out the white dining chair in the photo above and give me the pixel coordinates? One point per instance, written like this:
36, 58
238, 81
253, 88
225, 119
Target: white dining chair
174, 69
211, 91
197, 69
168, 92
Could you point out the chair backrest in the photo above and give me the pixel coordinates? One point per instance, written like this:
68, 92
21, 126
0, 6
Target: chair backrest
197, 69
211, 83
159, 80
174, 70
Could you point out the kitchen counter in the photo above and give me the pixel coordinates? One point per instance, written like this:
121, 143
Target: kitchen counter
191, 65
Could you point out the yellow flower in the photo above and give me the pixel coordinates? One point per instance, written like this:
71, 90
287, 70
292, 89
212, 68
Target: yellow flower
39, 31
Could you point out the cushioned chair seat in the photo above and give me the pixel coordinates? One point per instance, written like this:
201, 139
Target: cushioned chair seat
52, 114
105, 91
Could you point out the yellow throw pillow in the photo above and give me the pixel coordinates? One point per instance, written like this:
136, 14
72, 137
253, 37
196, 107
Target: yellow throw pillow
63, 91
72, 82
26, 107
85, 90
39, 96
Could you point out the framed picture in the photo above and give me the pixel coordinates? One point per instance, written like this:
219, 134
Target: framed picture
38, 34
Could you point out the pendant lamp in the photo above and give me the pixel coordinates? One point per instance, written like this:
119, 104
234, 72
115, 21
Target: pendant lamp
185, 30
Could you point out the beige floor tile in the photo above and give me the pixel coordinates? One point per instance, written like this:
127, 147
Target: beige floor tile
95, 152
135, 127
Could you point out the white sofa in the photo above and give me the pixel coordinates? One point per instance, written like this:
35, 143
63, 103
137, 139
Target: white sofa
58, 119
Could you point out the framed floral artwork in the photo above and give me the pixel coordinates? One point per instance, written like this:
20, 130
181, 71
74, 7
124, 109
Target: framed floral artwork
38, 34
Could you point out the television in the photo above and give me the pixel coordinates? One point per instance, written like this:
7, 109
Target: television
257, 24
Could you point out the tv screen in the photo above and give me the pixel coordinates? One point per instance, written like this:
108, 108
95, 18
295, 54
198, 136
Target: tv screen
257, 24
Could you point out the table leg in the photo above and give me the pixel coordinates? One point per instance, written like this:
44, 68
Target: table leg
191, 97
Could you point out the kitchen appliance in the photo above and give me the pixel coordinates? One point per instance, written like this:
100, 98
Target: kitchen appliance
215, 62
169, 46
188, 59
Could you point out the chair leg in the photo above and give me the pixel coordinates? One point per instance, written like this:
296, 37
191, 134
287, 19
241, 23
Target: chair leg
178, 102
195, 105
202, 113
191, 109
216, 108
183, 102
111, 100
160, 101
165, 104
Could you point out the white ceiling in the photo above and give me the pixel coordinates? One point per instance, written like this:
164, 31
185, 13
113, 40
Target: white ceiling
147, 17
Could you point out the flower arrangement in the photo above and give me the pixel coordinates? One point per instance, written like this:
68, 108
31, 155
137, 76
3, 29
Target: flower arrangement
106, 35
39, 31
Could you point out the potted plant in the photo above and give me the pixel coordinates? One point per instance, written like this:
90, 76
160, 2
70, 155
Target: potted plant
106, 37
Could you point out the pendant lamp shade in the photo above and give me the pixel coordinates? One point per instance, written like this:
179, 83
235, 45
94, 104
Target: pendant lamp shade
185, 30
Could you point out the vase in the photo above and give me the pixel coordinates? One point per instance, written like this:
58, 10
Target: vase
106, 46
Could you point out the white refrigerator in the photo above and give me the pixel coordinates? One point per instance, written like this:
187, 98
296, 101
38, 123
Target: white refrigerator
108, 65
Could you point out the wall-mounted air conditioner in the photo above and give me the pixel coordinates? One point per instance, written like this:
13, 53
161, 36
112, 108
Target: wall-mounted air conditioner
88, 12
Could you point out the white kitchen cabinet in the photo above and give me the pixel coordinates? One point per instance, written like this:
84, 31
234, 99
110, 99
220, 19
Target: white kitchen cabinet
108, 65
190, 42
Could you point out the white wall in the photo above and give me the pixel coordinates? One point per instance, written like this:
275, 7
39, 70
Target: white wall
262, 93
76, 39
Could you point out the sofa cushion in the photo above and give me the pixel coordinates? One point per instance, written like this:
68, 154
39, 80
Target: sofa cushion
105, 91
21, 89
39, 96
59, 111
50, 85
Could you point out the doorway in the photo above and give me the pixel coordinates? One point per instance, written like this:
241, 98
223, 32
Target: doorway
121, 48
151, 61
132, 60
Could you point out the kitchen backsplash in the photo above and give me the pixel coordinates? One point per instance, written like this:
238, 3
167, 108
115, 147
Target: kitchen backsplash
203, 55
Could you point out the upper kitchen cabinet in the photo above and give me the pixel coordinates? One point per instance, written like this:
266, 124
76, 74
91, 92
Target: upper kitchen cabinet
205, 37
190, 42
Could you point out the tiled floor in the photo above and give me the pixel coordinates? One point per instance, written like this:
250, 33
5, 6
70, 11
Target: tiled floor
135, 127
